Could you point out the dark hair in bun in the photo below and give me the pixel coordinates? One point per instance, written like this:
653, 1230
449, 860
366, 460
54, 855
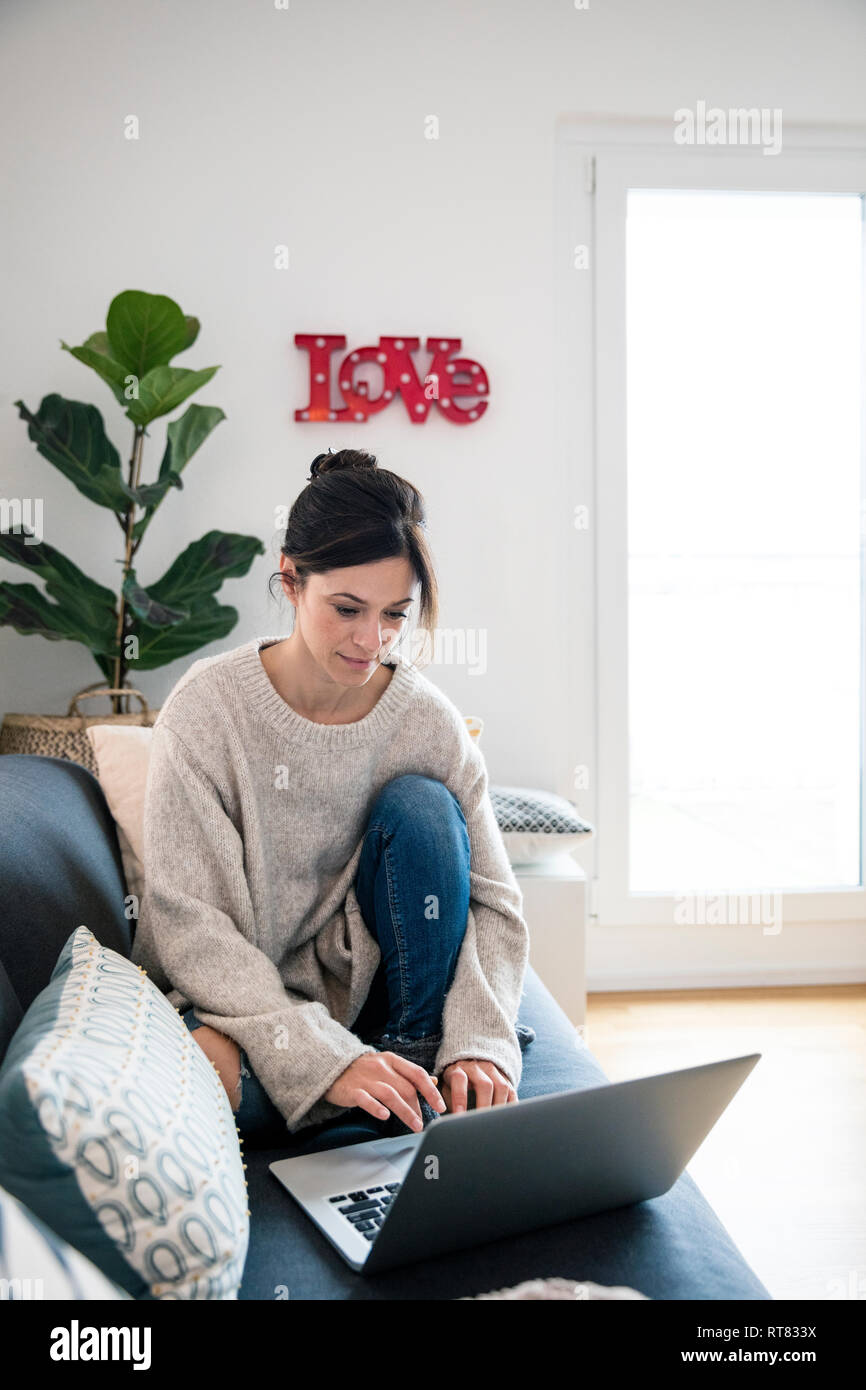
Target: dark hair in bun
344, 458
352, 512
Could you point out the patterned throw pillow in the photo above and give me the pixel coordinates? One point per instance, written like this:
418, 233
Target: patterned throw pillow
536, 824
36, 1264
116, 1130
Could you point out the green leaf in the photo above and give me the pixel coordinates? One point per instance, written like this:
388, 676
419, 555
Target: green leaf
186, 435
151, 494
146, 607
87, 606
145, 331
163, 389
204, 565
183, 438
71, 435
208, 622
190, 583
95, 353
23, 607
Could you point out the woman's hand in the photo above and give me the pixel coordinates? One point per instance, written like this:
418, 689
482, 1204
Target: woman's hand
488, 1082
384, 1083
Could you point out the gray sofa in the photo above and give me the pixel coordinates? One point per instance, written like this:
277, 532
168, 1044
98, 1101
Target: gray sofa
60, 866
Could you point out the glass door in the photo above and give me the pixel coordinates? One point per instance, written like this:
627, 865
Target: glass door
730, 401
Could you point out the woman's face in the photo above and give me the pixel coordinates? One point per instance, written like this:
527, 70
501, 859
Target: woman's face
359, 611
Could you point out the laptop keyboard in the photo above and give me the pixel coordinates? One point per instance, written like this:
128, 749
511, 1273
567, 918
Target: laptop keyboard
366, 1208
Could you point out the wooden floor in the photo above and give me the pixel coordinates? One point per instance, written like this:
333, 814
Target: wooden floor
785, 1165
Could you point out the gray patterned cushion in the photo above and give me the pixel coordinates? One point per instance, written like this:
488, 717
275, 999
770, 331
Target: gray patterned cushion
536, 824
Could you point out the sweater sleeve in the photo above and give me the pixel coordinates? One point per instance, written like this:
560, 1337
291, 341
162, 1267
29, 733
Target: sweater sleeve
481, 1006
196, 931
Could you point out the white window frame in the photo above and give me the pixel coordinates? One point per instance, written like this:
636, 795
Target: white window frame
597, 160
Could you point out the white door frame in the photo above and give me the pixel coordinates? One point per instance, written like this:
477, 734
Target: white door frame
597, 159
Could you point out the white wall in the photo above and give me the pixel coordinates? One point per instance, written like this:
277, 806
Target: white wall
306, 127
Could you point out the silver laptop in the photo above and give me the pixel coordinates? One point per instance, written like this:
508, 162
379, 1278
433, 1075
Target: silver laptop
484, 1174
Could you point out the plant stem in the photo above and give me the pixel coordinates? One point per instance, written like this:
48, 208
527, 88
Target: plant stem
129, 526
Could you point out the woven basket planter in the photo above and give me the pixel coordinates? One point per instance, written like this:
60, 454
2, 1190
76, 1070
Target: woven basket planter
64, 735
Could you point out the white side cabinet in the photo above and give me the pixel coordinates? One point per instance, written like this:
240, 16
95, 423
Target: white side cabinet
554, 905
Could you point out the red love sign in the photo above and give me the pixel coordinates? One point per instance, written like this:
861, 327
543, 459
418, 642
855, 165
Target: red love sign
438, 387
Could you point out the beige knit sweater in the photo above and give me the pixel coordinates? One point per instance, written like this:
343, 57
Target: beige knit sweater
253, 827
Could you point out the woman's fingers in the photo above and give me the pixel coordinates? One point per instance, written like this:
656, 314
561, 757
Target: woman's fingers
377, 1082
381, 1101
487, 1082
458, 1085
421, 1080
482, 1084
406, 1109
503, 1091
372, 1106
500, 1091
384, 1083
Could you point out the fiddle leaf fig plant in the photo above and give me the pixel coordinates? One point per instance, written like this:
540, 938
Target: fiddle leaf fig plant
146, 624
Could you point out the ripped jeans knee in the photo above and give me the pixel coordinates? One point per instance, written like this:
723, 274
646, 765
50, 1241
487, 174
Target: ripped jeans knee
242, 1072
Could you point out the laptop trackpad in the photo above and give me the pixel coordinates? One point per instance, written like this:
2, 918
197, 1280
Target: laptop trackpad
398, 1151
374, 1162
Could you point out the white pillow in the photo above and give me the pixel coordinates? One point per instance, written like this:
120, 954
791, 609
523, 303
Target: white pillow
122, 754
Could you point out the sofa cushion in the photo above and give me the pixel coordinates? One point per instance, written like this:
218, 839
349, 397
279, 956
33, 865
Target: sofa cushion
116, 1131
60, 865
11, 1012
38, 1263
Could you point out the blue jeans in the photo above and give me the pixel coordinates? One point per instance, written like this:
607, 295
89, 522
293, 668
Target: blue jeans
412, 886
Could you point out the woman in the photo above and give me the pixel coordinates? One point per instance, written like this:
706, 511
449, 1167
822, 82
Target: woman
328, 901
